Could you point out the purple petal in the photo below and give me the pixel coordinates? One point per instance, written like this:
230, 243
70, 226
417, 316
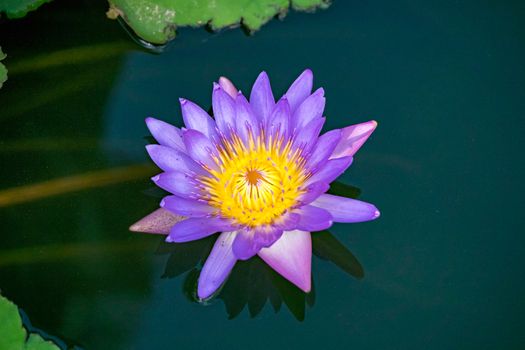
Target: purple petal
291, 257
200, 148
311, 108
279, 121
169, 159
160, 221
196, 228
223, 109
187, 207
218, 266
346, 209
261, 98
313, 218
352, 138
306, 137
323, 149
313, 191
244, 246
300, 89
249, 241
166, 134
196, 118
178, 183
331, 170
246, 122
228, 86
288, 221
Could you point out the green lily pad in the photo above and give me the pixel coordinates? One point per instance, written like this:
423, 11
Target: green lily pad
3, 69
156, 20
19, 8
13, 334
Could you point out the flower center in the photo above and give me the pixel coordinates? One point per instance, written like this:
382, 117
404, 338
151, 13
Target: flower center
256, 183
253, 177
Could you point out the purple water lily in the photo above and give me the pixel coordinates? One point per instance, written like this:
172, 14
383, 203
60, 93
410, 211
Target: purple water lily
258, 173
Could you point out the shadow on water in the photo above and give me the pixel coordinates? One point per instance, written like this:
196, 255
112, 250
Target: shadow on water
253, 283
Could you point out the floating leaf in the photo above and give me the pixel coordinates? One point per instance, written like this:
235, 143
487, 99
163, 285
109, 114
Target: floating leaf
156, 20
13, 334
19, 8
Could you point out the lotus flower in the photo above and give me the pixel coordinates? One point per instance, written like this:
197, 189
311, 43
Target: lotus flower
257, 172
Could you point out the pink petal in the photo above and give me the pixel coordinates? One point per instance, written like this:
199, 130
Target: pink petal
160, 221
291, 257
352, 138
228, 86
218, 265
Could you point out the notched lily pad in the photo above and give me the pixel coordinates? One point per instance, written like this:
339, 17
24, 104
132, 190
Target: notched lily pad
156, 20
19, 8
3, 69
13, 335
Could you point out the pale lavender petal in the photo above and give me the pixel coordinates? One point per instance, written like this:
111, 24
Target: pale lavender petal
313, 218
160, 221
311, 108
323, 149
291, 257
246, 121
218, 265
196, 228
346, 209
228, 86
352, 138
200, 148
169, 159
223, 109
300, 89
313, 191
176, 182
165, 134
307, 136
261, 98
279, 121
331, 170
187, 207
196, 118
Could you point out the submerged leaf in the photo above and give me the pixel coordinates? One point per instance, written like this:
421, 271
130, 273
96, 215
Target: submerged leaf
156, 20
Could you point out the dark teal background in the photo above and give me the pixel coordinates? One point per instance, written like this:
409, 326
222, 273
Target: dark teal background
443, 264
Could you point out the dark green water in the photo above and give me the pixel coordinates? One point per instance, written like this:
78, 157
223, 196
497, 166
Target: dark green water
443, 266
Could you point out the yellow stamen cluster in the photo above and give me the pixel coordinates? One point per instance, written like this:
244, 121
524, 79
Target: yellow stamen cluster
255, 183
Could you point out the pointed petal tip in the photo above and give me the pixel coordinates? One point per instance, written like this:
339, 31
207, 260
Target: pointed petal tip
216, 86
376, 214
182, 101
159, 221
205, 291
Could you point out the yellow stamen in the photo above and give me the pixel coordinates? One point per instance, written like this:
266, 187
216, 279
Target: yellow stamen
255, 183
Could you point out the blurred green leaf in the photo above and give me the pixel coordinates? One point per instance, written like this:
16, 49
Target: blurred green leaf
3, 69
19, 8
12, 332
156, 20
